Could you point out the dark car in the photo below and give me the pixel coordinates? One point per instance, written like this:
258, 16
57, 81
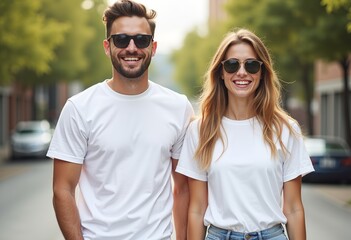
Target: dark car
31, 139
331, 159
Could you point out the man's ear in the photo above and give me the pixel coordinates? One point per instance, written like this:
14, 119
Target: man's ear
154, 47
106, 45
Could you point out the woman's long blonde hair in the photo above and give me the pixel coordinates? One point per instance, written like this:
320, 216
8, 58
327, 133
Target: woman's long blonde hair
214, 99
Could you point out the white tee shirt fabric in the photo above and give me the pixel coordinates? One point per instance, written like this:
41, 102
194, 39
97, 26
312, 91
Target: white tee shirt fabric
125, 143
244, 182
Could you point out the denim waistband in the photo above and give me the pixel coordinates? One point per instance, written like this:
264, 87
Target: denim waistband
264, 234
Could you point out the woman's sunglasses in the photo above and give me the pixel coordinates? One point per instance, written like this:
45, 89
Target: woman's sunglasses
122, 40
232, 65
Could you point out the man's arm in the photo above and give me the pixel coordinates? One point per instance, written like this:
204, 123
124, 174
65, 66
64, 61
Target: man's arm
181, 202
65, 179
293, 209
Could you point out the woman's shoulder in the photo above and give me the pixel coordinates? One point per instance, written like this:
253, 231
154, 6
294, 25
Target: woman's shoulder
194, 123
291, 129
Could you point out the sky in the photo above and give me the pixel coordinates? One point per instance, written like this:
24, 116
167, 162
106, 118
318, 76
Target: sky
175, 18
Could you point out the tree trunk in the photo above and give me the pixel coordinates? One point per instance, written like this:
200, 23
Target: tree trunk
308, 91
345, 64
34, 104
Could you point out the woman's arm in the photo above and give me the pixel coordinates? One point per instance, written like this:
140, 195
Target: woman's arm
293, 209
65, 180
197, 208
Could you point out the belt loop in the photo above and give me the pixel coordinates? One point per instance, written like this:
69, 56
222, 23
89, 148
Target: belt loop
228, 235
260, 235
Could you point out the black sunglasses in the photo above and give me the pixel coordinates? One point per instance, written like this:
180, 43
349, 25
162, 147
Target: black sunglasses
122, 40
232, 65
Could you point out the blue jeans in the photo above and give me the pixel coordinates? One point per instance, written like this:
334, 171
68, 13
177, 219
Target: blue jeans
273, 233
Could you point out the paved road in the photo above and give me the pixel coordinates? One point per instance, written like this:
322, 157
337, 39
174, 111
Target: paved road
327, 214
25, 203
26, 209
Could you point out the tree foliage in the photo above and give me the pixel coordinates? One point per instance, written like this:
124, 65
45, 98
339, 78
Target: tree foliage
192, 60
70, 59
335, 5
98, 65
44, 42
26, 40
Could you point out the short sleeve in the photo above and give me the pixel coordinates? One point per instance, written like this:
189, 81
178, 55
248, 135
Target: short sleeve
188, 115
187, 165
298, 162
69, 142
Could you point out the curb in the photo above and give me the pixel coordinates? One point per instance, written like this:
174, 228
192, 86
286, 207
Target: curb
4, 154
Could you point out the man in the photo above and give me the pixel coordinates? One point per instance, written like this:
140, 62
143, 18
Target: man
119, 141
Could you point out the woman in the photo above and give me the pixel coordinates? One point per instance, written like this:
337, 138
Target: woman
244, 156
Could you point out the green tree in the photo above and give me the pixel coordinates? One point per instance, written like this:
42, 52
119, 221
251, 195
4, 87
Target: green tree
336, 47
334, 5
71, 60
187, 66
26, 40
98, 66
192, 60
77, 57
81, 55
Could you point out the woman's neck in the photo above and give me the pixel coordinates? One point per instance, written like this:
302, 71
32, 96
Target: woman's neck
239, 110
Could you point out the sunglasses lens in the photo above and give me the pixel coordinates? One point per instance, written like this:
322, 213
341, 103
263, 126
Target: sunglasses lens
142, 41
231, 65
122, 40
252, 66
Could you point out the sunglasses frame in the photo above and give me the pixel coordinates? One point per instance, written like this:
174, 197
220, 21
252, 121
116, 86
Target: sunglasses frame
242, 62
135, 38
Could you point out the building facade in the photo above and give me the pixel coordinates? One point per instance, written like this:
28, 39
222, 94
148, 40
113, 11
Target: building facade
329, 110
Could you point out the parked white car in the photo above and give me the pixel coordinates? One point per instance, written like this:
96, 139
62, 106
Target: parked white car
31, 139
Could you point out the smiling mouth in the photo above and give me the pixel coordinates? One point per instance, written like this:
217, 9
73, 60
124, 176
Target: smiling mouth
242, 82
131, 59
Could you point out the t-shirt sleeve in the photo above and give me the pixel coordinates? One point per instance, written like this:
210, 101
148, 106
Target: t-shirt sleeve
188, 115
298, 162
69, 142
187, 165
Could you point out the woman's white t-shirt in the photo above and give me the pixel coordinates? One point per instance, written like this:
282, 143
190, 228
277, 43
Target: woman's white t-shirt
244, 182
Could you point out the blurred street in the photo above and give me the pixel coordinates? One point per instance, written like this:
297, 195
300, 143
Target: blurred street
62, 54
25, 203
328, 215
27, 213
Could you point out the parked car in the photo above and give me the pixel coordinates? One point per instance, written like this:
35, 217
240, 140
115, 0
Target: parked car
331, 159
31, 139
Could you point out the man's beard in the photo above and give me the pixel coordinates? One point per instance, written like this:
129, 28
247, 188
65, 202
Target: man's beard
132, 73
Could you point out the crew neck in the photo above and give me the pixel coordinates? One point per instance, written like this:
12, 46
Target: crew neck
238, 122
111, 92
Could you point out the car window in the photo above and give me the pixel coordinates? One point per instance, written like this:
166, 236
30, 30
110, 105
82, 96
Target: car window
29, 131
335, 147
315, 147
30, 128
322, 147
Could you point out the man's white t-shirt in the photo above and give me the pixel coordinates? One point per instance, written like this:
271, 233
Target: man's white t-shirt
124, 143
244, 182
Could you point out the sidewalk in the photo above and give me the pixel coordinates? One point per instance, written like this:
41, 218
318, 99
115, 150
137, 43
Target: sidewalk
340, 194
